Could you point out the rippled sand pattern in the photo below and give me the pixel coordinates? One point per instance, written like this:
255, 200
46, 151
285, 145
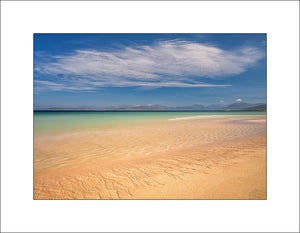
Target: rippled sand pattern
193, 159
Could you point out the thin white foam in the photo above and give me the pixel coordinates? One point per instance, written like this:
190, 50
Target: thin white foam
207, 116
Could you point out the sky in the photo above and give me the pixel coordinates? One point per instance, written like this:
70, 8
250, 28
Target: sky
103, 70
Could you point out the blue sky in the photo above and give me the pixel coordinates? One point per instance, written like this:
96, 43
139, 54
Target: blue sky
98, 70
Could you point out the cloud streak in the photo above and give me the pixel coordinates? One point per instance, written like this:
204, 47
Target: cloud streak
173, 63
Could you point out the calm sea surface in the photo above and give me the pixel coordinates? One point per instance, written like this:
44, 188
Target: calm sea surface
60, 122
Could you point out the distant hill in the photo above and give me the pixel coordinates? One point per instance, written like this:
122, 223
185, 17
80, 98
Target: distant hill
242, 106
64, 109
141, 108
238, 106
260, 107
215, 106
195, 107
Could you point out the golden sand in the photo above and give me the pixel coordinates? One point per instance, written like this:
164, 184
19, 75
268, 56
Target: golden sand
223, 158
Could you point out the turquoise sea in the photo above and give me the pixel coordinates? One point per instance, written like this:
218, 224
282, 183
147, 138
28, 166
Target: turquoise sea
55, 122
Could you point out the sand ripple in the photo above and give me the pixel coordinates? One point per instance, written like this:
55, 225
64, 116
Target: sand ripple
179, 159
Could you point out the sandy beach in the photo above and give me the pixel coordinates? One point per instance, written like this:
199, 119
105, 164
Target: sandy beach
207, 158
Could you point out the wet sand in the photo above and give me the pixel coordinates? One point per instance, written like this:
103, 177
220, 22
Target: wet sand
221, 158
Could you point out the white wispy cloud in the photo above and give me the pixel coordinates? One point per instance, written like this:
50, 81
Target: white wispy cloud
238, 100
42, 85
173, 63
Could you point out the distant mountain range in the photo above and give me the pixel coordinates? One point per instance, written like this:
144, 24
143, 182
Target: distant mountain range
246, 106
238, 106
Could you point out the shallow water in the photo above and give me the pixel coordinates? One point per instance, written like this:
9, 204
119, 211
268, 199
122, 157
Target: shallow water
48, 123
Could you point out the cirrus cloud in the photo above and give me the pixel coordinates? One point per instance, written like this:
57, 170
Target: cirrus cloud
174, 63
